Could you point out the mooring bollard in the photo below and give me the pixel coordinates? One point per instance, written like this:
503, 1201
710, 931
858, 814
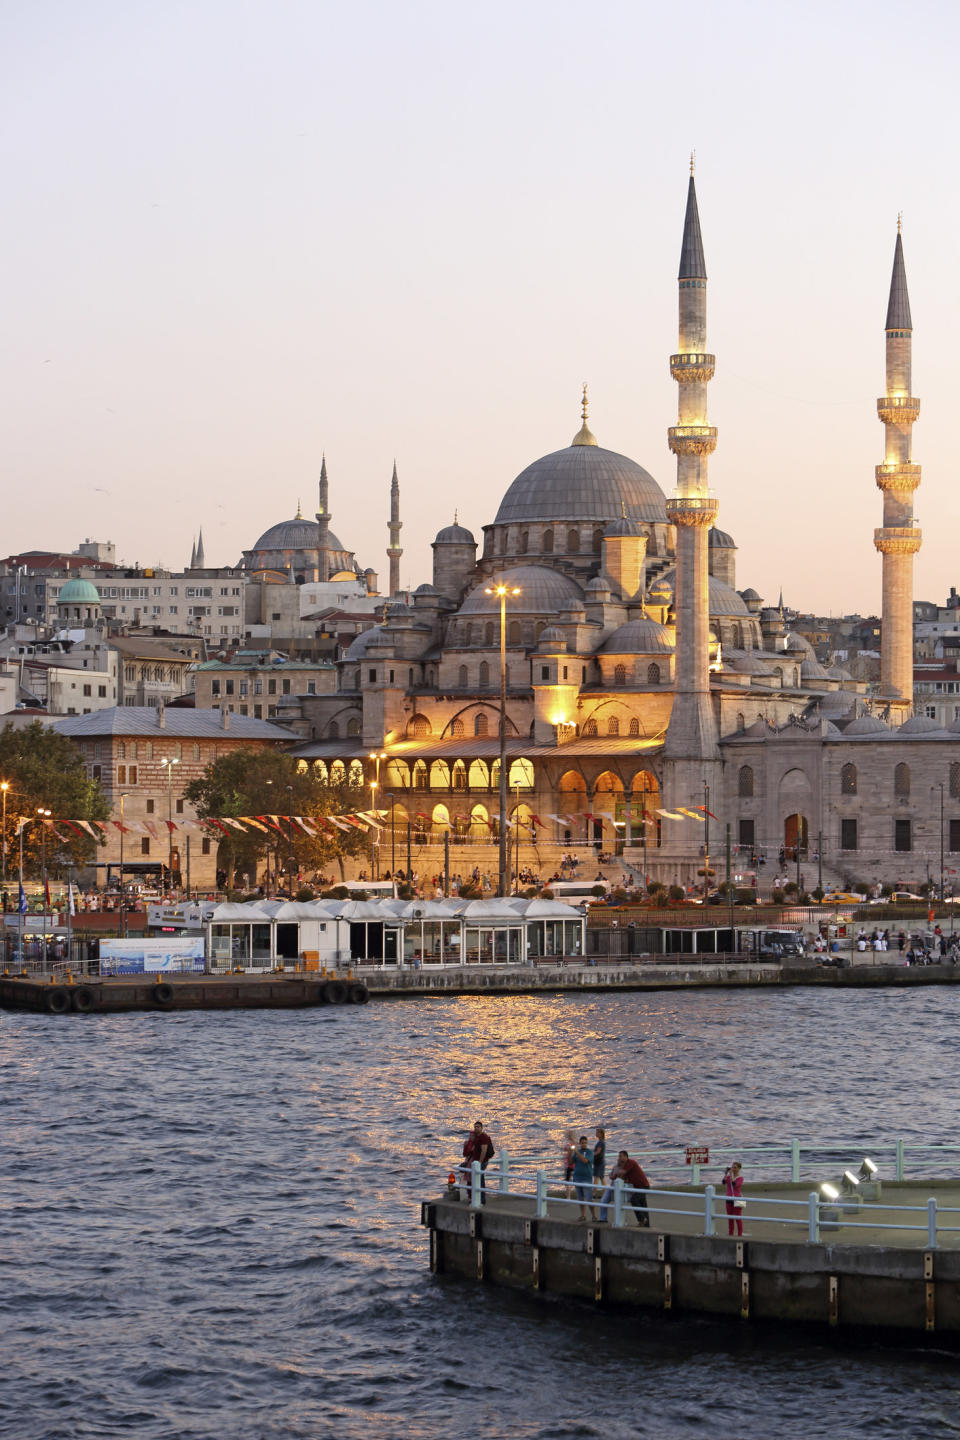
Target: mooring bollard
708, 1198
541, 1194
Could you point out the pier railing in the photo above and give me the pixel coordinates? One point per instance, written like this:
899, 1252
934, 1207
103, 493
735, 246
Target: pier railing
824, 1210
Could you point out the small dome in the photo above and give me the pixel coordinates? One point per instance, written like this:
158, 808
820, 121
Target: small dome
359, 646
748, 594
639, 637
749, 664
599, 583
919, 725
812, 670
296, 534
797, 642
867, 725
829, 730
79, 592
720, 540
542, 592
552, 639
426, 589
723, 599
454, 535
623, 526
836, 673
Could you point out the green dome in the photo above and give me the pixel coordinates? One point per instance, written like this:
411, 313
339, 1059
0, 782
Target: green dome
79, 592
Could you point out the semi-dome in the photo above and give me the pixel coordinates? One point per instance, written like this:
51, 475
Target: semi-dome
750, 664
867, 725
552, 638
79, 592
583, 482
542, 592
639, 637
454, 535
811, 669
724, 600
721, 540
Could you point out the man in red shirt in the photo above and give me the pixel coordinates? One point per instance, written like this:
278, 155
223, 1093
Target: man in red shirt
632, 1174
478, 1149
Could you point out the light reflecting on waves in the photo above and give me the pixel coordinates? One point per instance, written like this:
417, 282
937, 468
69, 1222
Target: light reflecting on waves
210, 1222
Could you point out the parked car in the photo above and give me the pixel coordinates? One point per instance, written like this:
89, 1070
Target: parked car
842, 897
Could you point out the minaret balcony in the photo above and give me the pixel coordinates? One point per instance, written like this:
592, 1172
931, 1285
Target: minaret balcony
692, 509
692, 369
898, 539
898, 476
898, 409
696, 440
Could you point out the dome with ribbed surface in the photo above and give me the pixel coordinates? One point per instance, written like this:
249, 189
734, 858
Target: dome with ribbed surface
583, 482
454, 535
639, 637
867, 725
78, 592
296, 534
724, 600
542, 592
919, 725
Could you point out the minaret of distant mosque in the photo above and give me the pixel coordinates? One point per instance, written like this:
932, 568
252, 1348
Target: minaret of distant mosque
394, 550
900, 538
692, 731
323, 525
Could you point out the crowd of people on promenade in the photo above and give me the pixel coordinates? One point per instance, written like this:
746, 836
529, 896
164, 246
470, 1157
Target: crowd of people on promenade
587, 1180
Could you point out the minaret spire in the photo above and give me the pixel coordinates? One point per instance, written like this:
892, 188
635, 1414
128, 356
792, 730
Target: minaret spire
900, 538
393, 549
199, 561
323, 524
691, 739
193, 556
583, 435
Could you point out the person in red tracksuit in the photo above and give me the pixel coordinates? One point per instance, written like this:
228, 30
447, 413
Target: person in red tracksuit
733, 1185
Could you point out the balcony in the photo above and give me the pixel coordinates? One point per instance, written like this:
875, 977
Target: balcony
898, 409
898, 476
899, 539
692, 368
692, 509
696, 440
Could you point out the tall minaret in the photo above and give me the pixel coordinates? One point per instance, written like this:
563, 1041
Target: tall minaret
393, 549
199, 561
900, 538
691, 735
323, 525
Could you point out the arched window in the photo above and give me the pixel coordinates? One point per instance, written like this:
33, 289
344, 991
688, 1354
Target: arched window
620, 674
523, 544
573, 541
736, 634
420, 775
479, 775
848, 780
745, 782
196, 752
514, 633
634, 728
741, 720
901, 781
121, 750
484, 675
479, 829
355, 778
333, 731
547, 542
456, 729
653, 674
397, 774
320, 771
419, 727
589, 729
955, 779
480, 724
439, 775
468, 634
338, 773
613, 726
521, 775
462, 677
459, 775
354, 727
488, 633
598, 539
502, 542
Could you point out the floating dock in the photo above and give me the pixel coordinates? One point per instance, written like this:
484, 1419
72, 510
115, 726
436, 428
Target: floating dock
857, 1279
179, 992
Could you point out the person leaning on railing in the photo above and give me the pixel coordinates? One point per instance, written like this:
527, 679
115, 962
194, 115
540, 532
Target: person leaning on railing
632, 1174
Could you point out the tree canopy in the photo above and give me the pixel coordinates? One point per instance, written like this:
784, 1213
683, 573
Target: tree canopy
271, 782
44, 769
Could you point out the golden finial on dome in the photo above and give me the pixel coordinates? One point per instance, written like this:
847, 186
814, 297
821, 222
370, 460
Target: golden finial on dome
583, 435
899, 222
299, 514
693, 161
456, 514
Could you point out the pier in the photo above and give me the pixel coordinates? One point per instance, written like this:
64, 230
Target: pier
64, 995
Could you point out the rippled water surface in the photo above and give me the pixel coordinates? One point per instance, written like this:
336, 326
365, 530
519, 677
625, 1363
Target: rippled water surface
210, 1222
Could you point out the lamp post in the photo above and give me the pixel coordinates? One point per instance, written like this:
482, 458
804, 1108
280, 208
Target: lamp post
123, 909
169, 764
503, 591
376, 756
940, 788
292, 856
44, 815
4, 787
24, 821
706, 839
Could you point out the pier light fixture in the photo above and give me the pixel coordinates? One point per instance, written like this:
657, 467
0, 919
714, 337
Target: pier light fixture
829, 1192
829, 1208
850, 1196
502, 591
869, 1177
867, 1169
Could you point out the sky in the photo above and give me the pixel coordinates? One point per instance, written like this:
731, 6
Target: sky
240, 235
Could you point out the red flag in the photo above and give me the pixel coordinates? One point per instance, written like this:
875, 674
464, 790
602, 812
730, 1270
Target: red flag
706, 812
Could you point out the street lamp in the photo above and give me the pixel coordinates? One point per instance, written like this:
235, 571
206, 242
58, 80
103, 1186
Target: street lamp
503, 591
376, 757
123, 913
4, 787
44, 816
170, 764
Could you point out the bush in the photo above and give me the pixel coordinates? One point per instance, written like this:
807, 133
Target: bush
305, 895
471, 892
676, 893
791, 888
546, 893
886, 891
619, 896
339, 892
405, 892
819, 893
359, 894
599, 890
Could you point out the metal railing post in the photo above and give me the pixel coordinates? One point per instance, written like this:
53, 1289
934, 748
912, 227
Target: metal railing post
504, 1173
932, 1223
795, 1161
541, 1194
813, 1231
708, 1196
695, 1176
618, 1202
476, 1194
899, 1159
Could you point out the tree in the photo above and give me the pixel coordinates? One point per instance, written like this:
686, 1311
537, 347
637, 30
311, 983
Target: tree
46, 770
272, 782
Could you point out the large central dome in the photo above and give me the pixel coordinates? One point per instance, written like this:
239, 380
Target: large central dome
583, 482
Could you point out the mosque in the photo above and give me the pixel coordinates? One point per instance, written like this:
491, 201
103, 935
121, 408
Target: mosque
648, 703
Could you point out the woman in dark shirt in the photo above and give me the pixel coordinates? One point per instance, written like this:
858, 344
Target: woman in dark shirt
600, 1156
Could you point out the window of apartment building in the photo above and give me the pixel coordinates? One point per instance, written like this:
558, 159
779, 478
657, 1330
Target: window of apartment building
215, 686
848, 835
102, 691
150, 807
244, 708
145, 846
258, 686
931, 712
955, 835
746, 832
271, 686
179, 807
87, 689
258, 712
205, 845
312, 685
902, 835
271, 711
173, 609
244, 687
286, 683
228, 687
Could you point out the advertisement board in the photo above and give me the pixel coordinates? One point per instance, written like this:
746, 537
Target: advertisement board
175, 955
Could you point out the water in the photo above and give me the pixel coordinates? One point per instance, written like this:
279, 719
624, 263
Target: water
210, 1222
